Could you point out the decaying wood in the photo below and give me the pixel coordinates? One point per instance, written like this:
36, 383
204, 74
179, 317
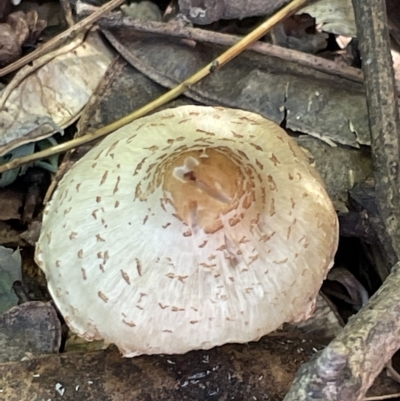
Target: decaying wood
255, 371
347, 367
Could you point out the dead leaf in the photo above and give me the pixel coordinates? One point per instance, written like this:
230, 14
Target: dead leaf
294, 33
145, 10
10, 204
19, 29
51, 93
204, 12
10, 271
10, 49
8, 235
325, 106
334, 16
50, 12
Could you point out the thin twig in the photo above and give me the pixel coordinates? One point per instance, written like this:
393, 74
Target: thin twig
113, 21
61, 38
224, 58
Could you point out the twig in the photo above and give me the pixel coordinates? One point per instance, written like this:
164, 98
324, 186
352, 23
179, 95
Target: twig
224, 58
201, 35
348, 366
61, 38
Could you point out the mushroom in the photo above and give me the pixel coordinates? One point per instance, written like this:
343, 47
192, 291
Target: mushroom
187, 229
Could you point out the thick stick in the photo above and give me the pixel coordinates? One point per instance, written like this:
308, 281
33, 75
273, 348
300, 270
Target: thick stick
383, 115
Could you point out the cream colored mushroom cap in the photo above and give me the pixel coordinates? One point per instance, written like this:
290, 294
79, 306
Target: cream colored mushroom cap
187, 229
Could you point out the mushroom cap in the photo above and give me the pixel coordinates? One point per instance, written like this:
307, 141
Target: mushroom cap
190, 228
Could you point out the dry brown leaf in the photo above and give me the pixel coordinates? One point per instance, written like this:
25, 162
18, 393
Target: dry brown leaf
51, 93
19, 29
51, 12
10, 49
